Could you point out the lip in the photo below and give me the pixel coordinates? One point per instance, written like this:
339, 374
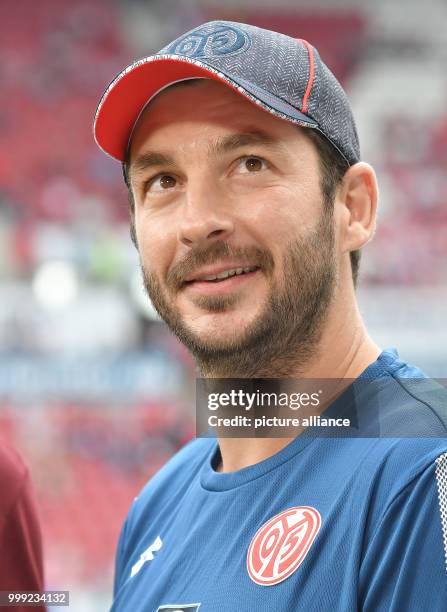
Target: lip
215, 270
223, 286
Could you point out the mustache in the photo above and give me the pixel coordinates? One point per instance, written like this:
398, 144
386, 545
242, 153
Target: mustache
217, 252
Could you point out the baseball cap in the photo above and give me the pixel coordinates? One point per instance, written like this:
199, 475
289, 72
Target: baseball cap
283, 75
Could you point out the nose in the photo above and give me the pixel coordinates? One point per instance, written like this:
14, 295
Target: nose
204, 217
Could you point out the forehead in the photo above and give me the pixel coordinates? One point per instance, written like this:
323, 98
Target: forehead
204, 105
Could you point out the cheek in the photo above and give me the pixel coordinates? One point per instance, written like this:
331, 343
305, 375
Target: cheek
281, 214
154, 244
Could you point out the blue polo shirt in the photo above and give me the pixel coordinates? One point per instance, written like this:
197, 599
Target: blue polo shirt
326, 524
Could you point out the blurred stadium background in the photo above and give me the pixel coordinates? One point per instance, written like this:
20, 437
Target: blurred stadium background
93, 390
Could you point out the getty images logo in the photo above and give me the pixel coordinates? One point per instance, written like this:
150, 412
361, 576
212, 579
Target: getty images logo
148, 555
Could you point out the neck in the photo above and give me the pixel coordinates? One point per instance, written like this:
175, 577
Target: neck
345, 350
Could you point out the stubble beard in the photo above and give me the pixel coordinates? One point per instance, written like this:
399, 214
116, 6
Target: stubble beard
285, 335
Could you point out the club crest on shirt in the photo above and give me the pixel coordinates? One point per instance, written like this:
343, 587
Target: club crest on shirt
280, 546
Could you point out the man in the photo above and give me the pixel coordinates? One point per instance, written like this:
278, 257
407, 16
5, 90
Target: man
249, 206
21, 564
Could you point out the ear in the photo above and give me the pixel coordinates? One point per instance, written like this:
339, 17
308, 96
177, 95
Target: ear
358, 195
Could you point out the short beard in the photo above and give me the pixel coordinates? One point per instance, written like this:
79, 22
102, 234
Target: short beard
284, 337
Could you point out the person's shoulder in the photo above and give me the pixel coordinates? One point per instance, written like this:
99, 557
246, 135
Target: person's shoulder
407, 412
181, 469
398, 461
13, 474
406, 477
11, 463
167, 487
21, 566
410, 404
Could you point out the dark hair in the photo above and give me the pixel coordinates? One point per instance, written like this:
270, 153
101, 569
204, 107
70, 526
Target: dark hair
332, 170
333, 167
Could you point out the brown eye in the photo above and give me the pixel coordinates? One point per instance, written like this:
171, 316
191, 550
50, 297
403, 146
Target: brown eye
250, 164
162, 182
253, 164
167, 182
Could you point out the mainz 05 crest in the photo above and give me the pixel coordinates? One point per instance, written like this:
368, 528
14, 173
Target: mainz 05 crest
211, 42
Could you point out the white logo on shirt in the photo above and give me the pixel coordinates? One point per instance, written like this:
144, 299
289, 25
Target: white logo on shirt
148, 555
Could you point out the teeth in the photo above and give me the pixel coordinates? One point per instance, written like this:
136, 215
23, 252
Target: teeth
227, 273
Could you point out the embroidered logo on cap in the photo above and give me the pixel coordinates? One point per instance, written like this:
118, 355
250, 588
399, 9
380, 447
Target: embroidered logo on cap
211, 42
281, 544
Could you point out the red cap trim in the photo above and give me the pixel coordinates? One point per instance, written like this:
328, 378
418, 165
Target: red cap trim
310, 81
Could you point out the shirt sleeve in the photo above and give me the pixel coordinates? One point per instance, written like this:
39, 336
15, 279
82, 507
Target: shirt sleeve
404, 566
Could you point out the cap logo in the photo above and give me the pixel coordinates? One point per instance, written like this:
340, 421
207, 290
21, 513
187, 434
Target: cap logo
206, 42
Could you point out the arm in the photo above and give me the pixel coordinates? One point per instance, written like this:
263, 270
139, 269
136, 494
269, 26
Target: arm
21, 562
404, 566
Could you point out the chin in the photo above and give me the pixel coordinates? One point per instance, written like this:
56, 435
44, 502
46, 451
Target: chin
226, 327
216, 338
213, 336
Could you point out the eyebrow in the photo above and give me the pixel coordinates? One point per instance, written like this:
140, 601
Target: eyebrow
229, 143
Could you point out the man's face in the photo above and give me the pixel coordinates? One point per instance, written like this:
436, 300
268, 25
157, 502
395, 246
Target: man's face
236, 244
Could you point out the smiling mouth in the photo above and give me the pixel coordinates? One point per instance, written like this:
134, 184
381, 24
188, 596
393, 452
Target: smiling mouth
222, 276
